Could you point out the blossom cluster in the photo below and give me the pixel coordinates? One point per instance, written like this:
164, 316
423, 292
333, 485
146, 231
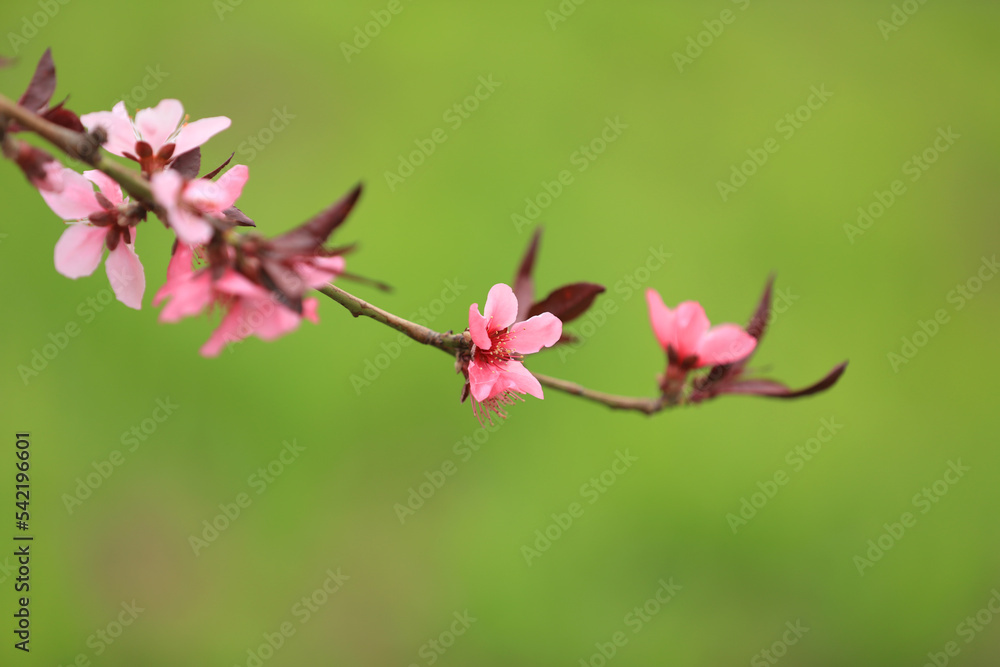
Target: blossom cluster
258, 284
262, 286
512, 325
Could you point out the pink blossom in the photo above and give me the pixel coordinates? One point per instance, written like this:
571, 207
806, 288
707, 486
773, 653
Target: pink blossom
156, 136
685, 335
189, 203
249, 308
317, 271
49, 177
97, 222
496, 374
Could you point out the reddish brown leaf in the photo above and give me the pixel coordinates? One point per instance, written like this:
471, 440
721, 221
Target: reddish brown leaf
212, 174
284, 284
773, 389
188, 164
568, 302
314, 233
363, 280
62, 116
42, 85
237, 217
757, 327
524, 285
758, 322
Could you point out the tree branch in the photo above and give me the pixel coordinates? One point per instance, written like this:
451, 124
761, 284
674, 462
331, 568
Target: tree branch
86, 148
448, 342
648, 406
82, 147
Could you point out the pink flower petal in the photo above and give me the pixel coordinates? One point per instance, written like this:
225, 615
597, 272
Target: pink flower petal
692, 324
333, 265
263, 317
187, 298
519, 379
319, 271
197, 133
310, 309
237, 284
312, 277
228, 331
121, 135
230, 185
275, 319
155, 125
76, 200
725, 344
540, 331
501, 307
189, 227
79, 250
53, 178
108, 187
662, 319
128, 279
180, 263
477, 328
166, 186
217, 196
482, 377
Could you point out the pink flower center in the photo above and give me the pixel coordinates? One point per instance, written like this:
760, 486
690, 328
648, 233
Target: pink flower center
151, 162
500, 348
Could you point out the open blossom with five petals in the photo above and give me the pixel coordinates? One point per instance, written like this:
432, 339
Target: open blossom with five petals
189, 203
98, 220
250, 309
156, 136
496, 374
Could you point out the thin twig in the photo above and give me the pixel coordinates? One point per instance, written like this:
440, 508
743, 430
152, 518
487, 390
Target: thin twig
448, 342
82, 147
647, 406
86, 148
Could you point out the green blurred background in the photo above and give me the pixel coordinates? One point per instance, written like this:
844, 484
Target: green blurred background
365, 446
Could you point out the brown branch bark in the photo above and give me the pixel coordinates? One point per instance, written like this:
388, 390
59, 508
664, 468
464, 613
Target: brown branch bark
86, 148
82, 147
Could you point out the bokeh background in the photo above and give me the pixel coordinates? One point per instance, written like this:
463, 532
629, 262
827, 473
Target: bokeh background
449, 226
